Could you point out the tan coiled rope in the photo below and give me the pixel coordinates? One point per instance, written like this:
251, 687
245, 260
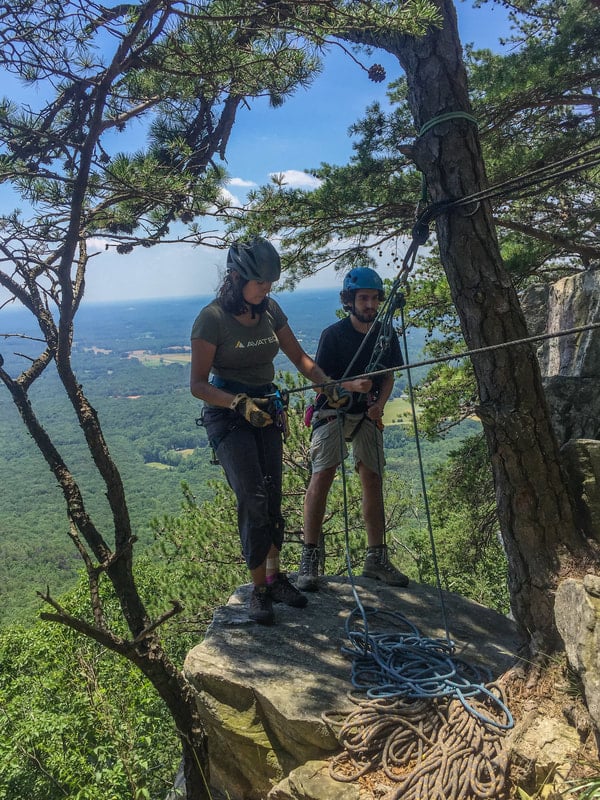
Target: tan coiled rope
432, 749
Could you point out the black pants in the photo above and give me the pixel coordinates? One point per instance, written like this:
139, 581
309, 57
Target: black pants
252, 459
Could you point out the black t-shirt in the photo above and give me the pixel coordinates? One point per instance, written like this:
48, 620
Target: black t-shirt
338, 346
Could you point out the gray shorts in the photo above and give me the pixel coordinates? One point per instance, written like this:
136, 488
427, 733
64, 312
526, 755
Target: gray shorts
327, 451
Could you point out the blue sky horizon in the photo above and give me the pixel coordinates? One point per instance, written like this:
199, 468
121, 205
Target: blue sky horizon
309, 129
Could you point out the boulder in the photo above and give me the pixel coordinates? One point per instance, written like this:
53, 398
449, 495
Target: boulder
311, 781
263, 691
577, 614
542, 750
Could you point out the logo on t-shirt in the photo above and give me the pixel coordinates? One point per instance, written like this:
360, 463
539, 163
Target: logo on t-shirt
257, 342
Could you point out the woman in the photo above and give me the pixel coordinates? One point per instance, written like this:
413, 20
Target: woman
236, 338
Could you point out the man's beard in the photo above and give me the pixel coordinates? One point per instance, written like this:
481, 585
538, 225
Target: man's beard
363, 317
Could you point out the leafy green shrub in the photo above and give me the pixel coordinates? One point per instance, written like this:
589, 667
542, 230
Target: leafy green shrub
77, 721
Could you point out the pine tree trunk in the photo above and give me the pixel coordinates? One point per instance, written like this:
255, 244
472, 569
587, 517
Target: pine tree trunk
534, 507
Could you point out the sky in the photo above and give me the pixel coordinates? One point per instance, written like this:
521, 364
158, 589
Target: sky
310, 128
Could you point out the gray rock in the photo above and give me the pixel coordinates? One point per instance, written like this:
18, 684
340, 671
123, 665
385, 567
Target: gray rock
263, 690
569, 303
570, 365
574, 407
581, 459
311, 781
541, 751
577, 613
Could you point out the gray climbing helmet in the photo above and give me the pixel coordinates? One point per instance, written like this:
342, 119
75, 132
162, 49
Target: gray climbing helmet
256, 260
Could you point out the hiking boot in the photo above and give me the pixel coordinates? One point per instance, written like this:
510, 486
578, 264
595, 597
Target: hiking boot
378, 566
308, 571
260, 608
282, 591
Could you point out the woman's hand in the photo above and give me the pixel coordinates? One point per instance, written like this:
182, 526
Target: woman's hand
249, 408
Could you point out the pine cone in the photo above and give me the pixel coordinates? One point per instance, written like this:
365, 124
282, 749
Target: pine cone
376, 73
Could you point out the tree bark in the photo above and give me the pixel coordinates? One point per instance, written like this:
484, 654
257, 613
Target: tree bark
534, 506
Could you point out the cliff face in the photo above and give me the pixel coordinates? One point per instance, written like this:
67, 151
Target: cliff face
570, 365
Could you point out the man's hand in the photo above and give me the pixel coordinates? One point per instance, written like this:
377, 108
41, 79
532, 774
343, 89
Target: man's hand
337, 396
248, 407
375, 413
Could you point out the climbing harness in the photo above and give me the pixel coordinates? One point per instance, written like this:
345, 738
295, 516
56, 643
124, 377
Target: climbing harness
276, 407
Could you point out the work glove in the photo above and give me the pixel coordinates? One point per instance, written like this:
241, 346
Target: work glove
336, 395
249, 408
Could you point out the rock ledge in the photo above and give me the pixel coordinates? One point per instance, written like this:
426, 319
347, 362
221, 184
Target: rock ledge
263, 690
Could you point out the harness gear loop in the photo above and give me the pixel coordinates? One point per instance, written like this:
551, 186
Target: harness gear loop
277, 407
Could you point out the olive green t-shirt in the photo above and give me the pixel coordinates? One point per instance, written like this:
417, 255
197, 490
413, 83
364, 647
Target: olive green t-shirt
243, 354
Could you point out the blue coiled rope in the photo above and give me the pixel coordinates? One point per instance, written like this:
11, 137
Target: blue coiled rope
406, 664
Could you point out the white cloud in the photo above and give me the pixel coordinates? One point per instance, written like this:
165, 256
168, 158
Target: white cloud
97, 245
296, 179
228, 201
240, 182
227, 198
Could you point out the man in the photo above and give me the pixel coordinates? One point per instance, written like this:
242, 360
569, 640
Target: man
345, 349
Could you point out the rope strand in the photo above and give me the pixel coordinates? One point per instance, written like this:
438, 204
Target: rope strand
454, 357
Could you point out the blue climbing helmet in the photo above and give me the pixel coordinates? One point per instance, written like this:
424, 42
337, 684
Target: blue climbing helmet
362, 278
256, 260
